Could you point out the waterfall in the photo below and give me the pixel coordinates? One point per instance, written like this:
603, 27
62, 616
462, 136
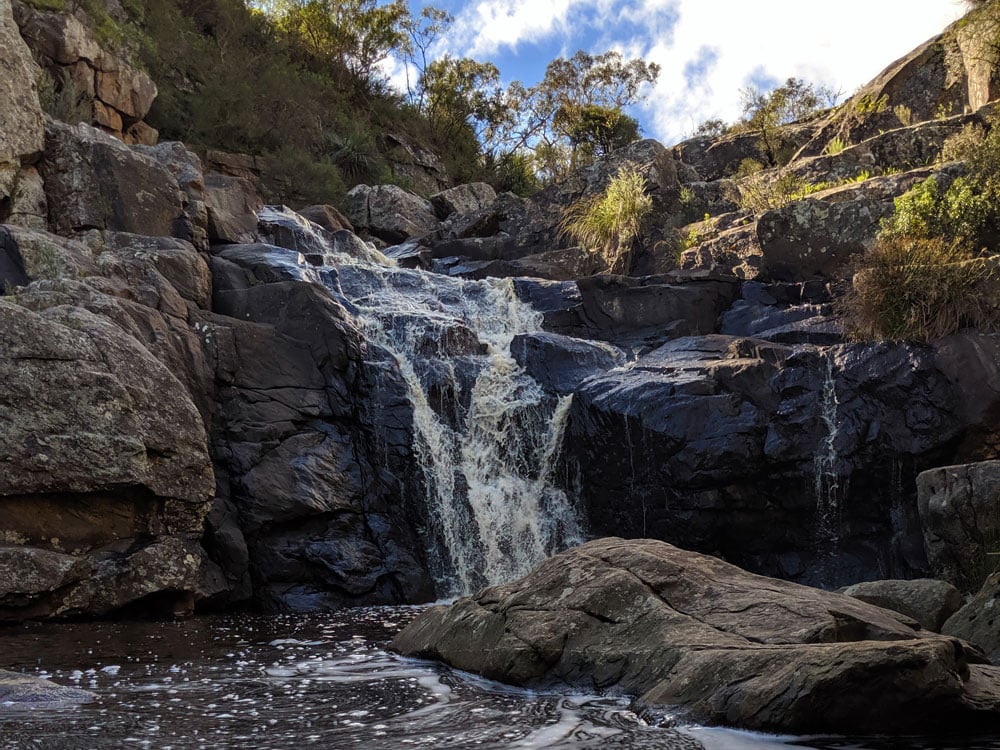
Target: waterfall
486, 436
826, 478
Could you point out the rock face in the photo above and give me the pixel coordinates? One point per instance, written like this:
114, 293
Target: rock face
106, 477
976, 622
927, 601
719, 645
119, 93
21, 121
94, 181
390, 213
958, 510
25, 690
727, 445
307, 507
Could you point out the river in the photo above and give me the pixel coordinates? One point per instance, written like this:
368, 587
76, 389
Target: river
323, 681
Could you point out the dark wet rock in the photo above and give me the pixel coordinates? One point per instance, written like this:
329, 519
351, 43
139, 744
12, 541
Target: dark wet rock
25, 690
713, 442
232, 204
560, 265
971, 361
311, 446
711, 642
930, 602
978, 622
958, 510
561, 363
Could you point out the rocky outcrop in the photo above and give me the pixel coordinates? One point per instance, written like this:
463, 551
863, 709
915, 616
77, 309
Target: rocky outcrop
119, 93
307, 504
976, 622
740, 447
94, 181
958, 510
24, 690
463, 199
390, 213
420, 167
22, 124
232, 204
717, 645
926, 600
815, 237
107, 478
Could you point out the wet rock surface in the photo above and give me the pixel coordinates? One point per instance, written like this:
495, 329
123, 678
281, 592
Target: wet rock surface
711, 641
25, 690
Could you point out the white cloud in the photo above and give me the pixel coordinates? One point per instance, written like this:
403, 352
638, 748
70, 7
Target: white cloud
843, 46
484, 28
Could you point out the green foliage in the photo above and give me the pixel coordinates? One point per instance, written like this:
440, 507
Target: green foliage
705, 230
63, 100
757, 190
597, 130
868, 104
835, 146
904, 114
921, 289
765, 113
963, 144
609, 223
711, 128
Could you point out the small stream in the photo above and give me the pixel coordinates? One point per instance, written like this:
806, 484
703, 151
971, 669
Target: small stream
323, 681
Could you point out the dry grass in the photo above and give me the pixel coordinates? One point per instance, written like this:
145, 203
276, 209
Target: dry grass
921, 289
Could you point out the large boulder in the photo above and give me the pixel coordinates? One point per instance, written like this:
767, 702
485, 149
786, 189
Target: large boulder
22, 125
463, 199
232, 204
958, 511
390, 213
707, 640
94, 181
928, 601
105, 464
977, 622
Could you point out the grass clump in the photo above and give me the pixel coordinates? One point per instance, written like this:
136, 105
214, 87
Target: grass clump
610, 223
907, 289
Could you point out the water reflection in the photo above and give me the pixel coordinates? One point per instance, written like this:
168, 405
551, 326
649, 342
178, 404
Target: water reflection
313, 681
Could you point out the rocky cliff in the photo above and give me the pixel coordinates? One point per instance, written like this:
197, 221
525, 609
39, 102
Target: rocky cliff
196, 415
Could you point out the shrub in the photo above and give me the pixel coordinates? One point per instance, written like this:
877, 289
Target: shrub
609, 223
757, 190
921, 289
959, 214
63, 100
904, 114
963, 144
836, 146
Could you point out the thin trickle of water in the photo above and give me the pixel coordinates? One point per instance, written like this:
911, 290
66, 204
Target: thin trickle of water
826, 478
486, 435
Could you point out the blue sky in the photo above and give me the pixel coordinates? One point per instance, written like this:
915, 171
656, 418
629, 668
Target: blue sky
708, 49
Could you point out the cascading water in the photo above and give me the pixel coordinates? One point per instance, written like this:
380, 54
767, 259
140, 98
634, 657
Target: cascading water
486, 436
826, 478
